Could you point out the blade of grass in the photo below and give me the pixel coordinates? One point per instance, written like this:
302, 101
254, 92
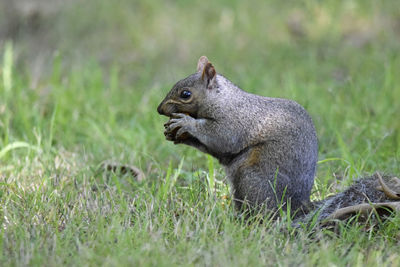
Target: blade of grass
211, 175
7, 67
170, 180
13, 146
51, 130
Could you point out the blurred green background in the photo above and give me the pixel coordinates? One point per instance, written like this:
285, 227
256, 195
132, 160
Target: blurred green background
80, 81
339, 59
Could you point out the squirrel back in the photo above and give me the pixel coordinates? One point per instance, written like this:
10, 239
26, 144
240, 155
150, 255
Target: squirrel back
268, 146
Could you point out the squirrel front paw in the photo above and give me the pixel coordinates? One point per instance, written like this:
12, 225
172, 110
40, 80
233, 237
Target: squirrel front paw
178, 128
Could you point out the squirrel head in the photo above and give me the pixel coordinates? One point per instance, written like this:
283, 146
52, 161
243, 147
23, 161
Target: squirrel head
188, 94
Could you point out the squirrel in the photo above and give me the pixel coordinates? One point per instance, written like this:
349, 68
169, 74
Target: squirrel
268, 146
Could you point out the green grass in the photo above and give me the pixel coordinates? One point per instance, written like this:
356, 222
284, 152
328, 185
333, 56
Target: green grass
95, 99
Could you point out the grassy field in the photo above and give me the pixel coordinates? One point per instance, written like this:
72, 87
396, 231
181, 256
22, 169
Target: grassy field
82, 86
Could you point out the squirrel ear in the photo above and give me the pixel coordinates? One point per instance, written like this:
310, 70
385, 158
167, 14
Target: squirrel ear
209, 75
202, 63
207, 70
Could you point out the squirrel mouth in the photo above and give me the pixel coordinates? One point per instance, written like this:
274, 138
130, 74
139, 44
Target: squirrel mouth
171, 116
191, 115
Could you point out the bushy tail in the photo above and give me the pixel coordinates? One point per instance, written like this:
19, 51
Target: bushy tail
369, 195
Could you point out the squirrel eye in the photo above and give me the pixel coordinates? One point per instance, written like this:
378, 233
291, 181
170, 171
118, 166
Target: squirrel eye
185, 94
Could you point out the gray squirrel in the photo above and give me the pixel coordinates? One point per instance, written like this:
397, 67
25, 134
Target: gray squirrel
268, 146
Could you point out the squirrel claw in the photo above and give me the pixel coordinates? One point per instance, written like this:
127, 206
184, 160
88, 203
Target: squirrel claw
169, 136
180, 134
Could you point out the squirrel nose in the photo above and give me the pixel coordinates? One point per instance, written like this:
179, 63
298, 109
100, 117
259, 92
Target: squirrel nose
159, 109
